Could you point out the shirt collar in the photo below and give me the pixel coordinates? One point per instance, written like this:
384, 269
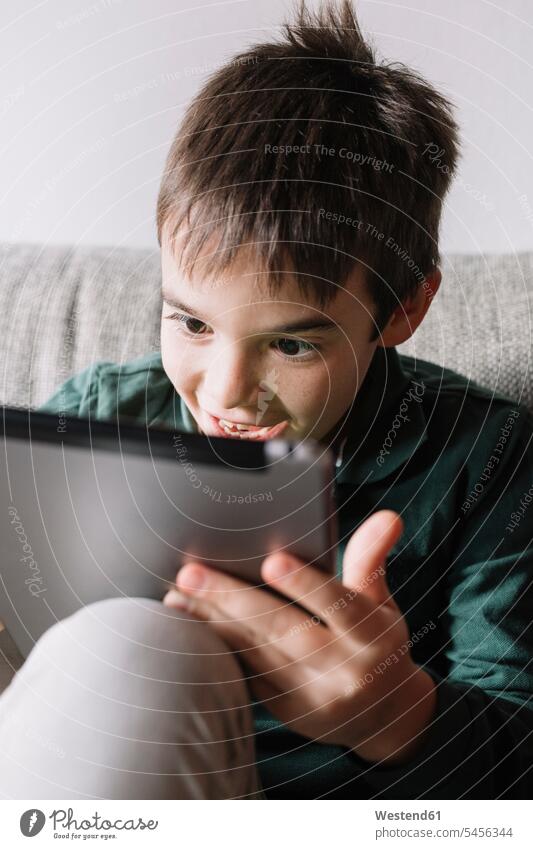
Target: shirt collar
189, 422
172, 411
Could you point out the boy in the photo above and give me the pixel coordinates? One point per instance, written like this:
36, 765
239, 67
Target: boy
298, 220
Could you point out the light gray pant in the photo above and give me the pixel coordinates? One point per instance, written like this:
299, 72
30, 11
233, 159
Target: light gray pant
128, 699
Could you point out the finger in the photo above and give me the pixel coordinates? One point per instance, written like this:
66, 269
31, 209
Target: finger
227, 593
325, 597
265, 661
364, 561
296, 640
255, 608
173, 598
236, 634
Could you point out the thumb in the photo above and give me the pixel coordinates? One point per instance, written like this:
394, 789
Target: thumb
363, 564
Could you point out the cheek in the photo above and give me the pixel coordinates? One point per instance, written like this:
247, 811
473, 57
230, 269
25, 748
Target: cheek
347, 370
178, 359
351, 367
317, 393
311, 393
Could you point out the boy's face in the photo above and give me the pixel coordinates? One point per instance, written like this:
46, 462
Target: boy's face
224, 352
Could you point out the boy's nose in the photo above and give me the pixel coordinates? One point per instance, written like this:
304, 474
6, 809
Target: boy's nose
232, 383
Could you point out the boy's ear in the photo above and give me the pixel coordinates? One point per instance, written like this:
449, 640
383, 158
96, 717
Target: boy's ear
409, 314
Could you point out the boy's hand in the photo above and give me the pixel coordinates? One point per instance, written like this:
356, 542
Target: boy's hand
342, 673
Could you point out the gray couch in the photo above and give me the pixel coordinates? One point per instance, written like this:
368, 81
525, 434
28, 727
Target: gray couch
62, 308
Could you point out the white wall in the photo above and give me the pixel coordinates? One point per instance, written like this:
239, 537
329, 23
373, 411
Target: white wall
91, 92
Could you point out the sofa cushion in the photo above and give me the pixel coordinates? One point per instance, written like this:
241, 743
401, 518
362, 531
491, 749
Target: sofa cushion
62, 308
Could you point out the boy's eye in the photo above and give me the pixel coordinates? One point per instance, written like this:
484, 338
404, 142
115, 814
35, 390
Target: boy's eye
194, 327
188, 322
291, 351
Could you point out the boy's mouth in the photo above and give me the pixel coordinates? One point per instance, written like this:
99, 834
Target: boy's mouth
238, 430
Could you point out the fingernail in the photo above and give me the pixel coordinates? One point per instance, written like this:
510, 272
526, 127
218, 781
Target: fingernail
191, 577
279, 567
176, 599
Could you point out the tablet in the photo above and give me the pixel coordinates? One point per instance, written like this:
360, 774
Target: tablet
98, 509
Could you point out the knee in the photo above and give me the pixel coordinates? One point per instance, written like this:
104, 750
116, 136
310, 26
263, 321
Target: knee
145, 635
140, 698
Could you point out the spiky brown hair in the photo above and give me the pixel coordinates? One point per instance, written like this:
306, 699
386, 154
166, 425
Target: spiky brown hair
318, 87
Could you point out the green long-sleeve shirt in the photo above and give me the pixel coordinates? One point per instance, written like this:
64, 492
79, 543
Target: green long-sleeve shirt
457, 463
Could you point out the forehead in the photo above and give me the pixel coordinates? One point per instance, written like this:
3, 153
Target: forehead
245, 282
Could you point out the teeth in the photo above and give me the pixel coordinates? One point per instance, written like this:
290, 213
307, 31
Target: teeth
226, 423
248, 434
243, 431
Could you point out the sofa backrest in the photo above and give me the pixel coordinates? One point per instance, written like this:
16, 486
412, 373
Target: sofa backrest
62, 308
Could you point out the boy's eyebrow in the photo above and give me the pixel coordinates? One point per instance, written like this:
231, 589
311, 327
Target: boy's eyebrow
301, 324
